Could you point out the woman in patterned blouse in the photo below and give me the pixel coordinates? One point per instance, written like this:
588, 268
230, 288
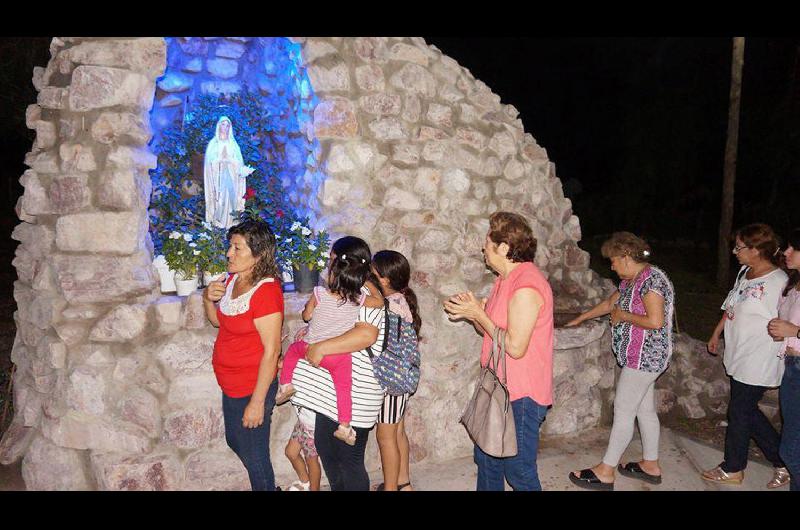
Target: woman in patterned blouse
641, 338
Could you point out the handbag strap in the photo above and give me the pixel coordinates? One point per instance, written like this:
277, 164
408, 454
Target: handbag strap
499, 357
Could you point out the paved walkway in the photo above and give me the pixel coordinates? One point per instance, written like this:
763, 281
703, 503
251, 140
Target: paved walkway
682, 459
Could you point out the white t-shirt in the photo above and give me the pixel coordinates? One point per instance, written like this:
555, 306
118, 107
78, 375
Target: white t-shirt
751, 356
315, 390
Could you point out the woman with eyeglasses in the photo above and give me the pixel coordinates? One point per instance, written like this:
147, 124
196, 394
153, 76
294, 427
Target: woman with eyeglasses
751, 356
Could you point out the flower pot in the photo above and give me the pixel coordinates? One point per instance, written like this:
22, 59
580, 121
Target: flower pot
305, 279
185, 287
165, 275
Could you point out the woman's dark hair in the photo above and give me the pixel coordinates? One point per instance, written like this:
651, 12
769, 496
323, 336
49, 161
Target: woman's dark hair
261, 241
763, 238
513, 230
626, 244
349, 268
794, 275
394, 267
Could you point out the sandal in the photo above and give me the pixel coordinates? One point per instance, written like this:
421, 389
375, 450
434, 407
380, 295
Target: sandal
284, 394
586, 479
400, 487
721, 477
780, 478
347, 435
634, 470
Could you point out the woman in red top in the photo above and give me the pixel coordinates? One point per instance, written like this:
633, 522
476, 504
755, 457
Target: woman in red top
249, 318
521, 302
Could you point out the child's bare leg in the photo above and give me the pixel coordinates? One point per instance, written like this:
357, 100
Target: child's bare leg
292, 452
404, 477
314, 472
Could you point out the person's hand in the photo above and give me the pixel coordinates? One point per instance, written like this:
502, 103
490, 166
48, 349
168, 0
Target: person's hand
617, 315
313, 355
302, 332
713, 344
214, 291
464, 305
779, 329
253, 414
574, 322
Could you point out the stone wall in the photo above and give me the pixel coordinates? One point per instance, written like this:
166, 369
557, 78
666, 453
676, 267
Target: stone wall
113, 387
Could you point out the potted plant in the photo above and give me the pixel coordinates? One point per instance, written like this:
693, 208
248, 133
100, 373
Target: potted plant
307, 254
165, 274
182, 255
211, 260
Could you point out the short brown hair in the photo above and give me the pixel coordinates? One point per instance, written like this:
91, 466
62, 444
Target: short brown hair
761, 237
513, 230
626, 244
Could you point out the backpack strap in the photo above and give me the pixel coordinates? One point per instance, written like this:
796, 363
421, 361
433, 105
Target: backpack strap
385, 329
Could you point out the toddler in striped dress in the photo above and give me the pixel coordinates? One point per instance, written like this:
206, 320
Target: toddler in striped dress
330, 312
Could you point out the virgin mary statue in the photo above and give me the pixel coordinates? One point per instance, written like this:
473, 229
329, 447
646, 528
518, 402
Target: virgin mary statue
224, 175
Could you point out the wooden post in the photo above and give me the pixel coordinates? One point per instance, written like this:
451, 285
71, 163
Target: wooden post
729, 171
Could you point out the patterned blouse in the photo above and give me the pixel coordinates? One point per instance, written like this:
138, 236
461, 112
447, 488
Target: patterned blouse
648, 350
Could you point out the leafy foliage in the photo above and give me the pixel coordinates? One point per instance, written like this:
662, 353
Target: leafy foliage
176, 204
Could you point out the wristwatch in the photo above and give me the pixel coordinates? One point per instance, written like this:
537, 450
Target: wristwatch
798, 333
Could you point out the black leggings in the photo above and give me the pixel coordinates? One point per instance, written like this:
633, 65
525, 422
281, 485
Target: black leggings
343, 464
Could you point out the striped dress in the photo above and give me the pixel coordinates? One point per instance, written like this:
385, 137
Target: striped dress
314, 387
648, 350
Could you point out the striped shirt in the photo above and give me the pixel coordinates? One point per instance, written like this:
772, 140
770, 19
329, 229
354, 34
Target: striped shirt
331, 317
315, 390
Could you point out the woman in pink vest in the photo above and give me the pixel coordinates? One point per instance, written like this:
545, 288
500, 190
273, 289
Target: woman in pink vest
521, 302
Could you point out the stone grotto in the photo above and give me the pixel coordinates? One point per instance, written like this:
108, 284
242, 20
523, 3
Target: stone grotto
387, 139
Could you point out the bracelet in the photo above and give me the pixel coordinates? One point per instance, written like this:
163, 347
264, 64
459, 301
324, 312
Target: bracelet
797, 335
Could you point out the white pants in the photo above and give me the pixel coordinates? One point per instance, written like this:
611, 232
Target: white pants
634, 400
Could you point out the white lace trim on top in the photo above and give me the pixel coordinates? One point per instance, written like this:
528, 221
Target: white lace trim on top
236, 306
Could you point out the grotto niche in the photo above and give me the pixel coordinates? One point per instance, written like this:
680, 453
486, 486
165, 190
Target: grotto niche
384, 138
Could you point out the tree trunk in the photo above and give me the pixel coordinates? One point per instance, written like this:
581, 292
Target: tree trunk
729, 171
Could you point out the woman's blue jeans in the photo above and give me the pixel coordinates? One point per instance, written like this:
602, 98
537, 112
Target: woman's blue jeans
790, 408
251, 445
520, 471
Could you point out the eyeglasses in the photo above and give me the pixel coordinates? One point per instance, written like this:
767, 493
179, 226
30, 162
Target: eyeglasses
738, 249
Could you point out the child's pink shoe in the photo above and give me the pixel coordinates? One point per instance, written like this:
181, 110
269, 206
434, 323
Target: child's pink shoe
345, 434
284, 393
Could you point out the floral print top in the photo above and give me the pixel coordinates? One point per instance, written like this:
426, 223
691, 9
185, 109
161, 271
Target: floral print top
648, 350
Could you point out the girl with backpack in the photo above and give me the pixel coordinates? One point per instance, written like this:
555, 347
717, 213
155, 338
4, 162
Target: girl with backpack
393, 273
331, 312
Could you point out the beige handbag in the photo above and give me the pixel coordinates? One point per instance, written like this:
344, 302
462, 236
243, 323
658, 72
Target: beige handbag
488, 417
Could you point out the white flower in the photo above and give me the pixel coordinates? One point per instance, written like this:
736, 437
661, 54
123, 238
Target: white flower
288, 240
180, 253
312, 247
321, 263
206, 225
187, 237
295, 226
305, 231
174, 235
192, 245
196, 252
204, 236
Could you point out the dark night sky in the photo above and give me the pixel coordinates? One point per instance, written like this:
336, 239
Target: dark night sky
636, 126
